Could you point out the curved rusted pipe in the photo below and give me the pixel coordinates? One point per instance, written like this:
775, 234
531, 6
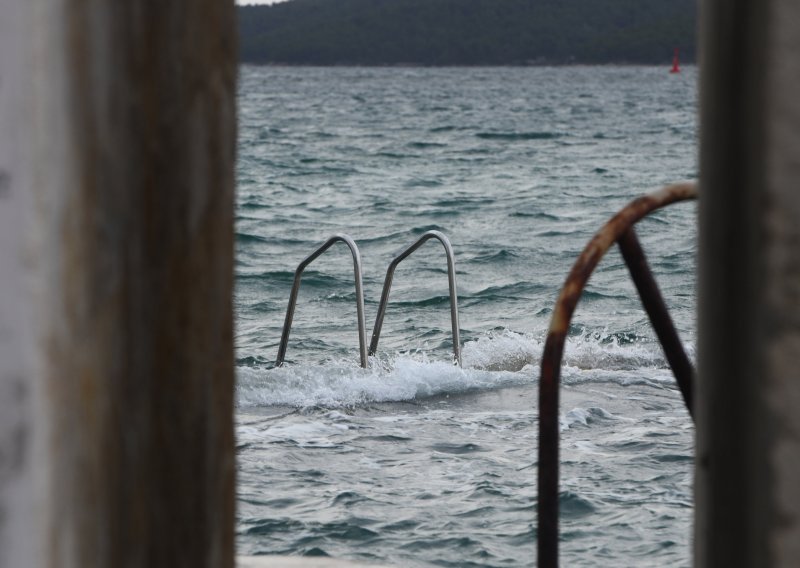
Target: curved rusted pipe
548, 462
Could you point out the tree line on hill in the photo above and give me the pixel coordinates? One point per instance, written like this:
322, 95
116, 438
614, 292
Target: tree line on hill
467, 32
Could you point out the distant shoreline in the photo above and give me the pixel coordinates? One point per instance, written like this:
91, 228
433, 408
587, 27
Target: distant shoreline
467, 33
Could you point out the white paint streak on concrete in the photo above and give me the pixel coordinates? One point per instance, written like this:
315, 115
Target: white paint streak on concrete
18, 496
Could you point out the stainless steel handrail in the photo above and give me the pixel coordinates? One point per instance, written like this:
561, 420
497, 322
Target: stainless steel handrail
362, 326
451, 278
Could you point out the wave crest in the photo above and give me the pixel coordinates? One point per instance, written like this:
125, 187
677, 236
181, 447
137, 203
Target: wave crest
496, 360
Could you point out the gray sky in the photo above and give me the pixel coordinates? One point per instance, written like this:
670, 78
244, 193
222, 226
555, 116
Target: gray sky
241, 2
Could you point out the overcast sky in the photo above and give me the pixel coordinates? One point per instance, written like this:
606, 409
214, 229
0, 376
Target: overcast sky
258, 1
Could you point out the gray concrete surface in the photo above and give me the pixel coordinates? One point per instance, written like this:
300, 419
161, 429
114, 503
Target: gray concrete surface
748, 388
297, 562
117, 143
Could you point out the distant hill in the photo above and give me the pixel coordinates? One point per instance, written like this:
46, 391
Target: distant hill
467, 32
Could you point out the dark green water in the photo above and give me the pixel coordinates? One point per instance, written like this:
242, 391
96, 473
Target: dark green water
414, 462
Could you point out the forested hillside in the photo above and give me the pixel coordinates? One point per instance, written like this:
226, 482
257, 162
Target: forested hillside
467, 32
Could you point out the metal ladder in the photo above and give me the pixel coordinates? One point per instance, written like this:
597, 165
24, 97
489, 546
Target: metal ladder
362, 327
451, 280
376, 332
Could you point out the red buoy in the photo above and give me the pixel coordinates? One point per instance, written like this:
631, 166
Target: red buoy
675, 67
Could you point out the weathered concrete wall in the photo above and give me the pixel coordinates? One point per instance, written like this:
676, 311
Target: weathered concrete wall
18, 491
748, 436
116, 265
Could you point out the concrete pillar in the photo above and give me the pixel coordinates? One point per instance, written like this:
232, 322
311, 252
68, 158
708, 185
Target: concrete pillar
19, 498
117, 140
748, 389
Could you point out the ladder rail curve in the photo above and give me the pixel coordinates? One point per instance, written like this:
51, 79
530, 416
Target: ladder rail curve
451, 281
359, 285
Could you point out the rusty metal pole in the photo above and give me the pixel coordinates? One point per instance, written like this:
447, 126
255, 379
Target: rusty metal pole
117, 140
548, 453
659, 316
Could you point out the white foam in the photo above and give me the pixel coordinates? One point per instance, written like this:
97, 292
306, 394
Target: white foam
504, 351
494, 361
305, 434
585, 416
342, 384
512, 351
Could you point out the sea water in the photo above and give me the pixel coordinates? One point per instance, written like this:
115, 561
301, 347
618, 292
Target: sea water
415, 461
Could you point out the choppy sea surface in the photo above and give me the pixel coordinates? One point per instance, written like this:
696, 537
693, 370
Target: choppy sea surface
413, 461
